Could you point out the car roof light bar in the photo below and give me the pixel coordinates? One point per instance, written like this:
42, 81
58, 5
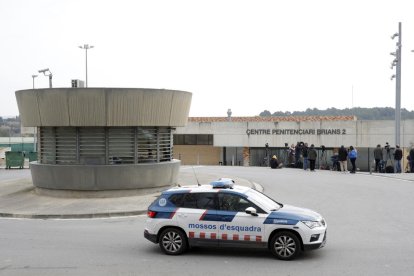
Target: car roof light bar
223, 183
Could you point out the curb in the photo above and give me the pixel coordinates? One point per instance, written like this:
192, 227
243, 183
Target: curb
74, 216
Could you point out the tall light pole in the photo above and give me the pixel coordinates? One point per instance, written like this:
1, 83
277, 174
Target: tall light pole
397, 63
86, 47
34, 76
44, 71
34, 129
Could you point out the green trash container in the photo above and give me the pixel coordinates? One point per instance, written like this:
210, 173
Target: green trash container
14, 159
32, 156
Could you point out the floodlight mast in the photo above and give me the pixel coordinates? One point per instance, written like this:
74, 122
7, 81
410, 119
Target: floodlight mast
86, 47
397, 63
44, 71
35, 128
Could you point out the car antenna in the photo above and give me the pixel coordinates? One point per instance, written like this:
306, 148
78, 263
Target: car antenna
198, 182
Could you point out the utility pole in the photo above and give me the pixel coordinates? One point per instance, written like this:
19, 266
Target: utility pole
397, 63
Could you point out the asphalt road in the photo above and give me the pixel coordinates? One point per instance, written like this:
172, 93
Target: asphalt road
369, 233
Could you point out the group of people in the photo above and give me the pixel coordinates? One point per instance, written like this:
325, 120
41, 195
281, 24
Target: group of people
343, 155
387, 165
302, 156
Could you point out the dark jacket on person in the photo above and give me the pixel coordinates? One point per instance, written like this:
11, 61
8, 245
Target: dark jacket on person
274, 163
305, 150
312, 153
342, 154
412, 154
398, 154
378, 153
298, 149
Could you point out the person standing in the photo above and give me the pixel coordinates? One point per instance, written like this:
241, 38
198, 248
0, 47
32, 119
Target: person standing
353, 154
305, 150
412, 160
378, 157
398, 154
291, 156
312, 154
298, 150
343, 159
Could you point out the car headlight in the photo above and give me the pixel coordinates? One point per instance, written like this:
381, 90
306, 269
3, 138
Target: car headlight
312, 224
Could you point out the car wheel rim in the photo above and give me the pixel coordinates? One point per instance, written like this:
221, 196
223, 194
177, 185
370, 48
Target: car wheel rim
172, 242
285, 246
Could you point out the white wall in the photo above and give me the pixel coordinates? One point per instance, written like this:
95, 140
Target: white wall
356, 133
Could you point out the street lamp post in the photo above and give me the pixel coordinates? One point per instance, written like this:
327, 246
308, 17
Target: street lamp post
397, 63
34, 129
34, 76
44, 71
86, 47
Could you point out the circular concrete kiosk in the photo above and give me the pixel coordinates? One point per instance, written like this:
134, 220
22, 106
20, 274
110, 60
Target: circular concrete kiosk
104, 139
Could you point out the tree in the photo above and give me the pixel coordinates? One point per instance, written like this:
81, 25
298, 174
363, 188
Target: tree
362, 113
265, 113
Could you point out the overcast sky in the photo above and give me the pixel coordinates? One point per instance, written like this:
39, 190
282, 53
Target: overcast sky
249, 56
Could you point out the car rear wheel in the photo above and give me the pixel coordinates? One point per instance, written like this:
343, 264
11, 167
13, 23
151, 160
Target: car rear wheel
173, 241
285, 246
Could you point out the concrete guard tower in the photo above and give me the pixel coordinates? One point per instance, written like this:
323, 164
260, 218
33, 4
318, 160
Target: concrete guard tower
104, 139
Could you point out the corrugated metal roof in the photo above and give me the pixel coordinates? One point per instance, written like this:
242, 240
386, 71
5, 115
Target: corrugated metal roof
271, 119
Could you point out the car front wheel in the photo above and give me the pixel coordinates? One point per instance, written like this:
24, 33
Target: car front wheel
173, 241
285, 246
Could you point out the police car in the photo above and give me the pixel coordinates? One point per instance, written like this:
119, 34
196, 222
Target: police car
225, 215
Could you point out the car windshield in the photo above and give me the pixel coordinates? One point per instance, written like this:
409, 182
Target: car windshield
264, 200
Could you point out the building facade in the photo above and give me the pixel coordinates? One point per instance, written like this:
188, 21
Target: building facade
242, 140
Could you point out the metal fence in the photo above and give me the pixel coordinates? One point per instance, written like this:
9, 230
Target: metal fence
104, 145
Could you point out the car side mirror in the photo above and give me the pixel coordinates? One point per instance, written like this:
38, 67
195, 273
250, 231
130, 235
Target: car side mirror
251, 211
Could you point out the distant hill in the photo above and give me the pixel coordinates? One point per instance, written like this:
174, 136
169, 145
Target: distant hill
375, 113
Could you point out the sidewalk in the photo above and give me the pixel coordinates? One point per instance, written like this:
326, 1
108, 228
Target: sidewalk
18, 199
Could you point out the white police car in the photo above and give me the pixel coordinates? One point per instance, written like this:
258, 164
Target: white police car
224, 215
